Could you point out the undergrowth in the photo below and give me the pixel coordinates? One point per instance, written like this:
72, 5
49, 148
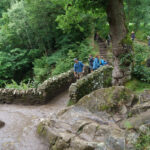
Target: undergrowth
137, 85
143, 142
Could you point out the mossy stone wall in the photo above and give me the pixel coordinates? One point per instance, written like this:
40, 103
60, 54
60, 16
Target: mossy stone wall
100, 78
53, 86
41, 95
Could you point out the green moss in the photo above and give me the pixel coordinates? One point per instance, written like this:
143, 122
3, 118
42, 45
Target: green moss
143, 142
105, 107
123, 96
130, 114
97, 127
128, 125
137, 86
108, 81
126, 58
41, 129
127, 40
70, 102
98, 79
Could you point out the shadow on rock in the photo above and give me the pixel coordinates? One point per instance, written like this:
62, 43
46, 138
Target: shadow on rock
2, 124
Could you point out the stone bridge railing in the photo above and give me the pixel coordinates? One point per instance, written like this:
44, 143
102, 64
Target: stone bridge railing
100, 78
45, 92
53, 86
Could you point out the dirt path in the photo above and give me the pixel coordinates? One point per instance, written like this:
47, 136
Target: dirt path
19, 132
140, 42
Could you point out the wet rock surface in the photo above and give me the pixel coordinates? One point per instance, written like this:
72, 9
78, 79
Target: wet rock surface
140, 112
76, 128
19, 132
92, 125
106, 119
114, 99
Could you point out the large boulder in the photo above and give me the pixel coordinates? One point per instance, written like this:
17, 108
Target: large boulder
113, 99
140, 113
76, 128
137, 120
102, 120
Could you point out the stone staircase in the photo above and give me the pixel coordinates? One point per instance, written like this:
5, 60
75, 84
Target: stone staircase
103, 48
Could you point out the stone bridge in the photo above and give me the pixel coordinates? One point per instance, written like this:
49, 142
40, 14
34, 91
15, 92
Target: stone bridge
54, 86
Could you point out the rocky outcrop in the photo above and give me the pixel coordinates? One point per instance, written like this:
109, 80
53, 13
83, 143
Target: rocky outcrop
113, 99
76, 128
100, 78
91, 124
139, 113
136, 121
106, 119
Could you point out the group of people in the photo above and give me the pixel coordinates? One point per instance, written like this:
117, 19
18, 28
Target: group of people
94, 64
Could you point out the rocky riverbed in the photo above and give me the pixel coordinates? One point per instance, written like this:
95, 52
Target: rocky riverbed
19, 132
106, 119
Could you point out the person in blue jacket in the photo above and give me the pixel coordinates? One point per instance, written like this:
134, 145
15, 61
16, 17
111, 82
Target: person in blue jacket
78, 68
96, 63
102, 61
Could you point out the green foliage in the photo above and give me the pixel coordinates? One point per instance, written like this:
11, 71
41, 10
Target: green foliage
16, 64
141, 35
41, 37
70, 103
137, 12
128, 125
141, 54
61, 61
41, 130
126, 60
26, 36
137, 85
21, 86
143, 142
4, 5
64, 65
81, 52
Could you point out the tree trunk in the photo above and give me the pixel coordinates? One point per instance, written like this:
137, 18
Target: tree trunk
121, 43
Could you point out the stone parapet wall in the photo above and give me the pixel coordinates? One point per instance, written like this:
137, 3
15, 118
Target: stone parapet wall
53, 86
26, 97
45, 92
100, 78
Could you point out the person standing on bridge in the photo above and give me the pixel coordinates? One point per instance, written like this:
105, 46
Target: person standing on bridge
78, 69
102, 61
96, 63
91, 60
